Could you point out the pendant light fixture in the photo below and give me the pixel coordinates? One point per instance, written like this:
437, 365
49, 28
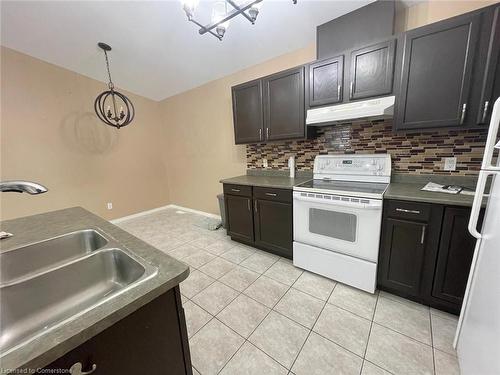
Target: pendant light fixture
221, 15
112, 107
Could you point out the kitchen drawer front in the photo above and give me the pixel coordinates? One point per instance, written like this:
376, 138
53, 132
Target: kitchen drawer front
408, 210
242, 190
271, 194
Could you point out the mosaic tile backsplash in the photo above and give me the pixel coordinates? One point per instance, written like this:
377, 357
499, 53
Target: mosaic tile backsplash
412, 152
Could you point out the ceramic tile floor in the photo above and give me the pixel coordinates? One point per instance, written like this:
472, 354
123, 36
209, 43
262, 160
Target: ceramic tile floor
251, 312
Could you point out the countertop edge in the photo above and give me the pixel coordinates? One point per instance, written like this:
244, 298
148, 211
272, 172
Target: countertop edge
436, 200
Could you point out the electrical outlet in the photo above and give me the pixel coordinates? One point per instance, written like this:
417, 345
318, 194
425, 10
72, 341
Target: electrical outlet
450, 164
109, 205
264, 163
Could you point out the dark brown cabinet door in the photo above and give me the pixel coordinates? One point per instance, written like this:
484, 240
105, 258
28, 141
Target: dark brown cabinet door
284, 107
372, 70
325, 81
152, 340
436, 76
274, 226
239, 217
490, 89
456, 249
402, 256
247, 112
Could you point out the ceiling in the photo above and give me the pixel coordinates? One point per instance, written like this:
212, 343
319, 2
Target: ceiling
156, 52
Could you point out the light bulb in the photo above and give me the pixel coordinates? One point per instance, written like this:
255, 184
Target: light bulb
219, 12
189, 7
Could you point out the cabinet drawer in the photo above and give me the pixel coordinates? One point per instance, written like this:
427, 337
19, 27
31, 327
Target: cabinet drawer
408, 210
279, 195
242, 190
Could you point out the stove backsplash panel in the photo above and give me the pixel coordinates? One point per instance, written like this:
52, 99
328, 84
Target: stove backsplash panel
412, 152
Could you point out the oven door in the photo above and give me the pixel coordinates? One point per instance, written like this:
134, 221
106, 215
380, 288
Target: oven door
346, 225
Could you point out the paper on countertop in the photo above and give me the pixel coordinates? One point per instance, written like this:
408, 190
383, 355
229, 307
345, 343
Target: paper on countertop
470, 192
432, 186
5, 235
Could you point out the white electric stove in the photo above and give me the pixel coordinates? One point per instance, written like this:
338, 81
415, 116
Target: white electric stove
337, 218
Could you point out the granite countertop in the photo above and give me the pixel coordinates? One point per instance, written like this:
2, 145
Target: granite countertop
411, 192
402, 187
407, 188
41, 351
280, 182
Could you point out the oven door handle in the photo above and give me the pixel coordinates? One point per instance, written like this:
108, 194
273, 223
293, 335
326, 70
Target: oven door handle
373, 205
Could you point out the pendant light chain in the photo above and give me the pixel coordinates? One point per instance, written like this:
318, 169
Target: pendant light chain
110, 84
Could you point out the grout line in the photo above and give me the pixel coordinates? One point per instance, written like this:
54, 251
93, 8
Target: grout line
378, 366
403, 334
349, 311
369, 333
265, 317
432, 343
311, 330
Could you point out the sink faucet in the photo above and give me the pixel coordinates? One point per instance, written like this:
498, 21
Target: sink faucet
20, 187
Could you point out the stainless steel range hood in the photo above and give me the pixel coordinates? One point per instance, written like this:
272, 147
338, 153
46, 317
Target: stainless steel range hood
365, 109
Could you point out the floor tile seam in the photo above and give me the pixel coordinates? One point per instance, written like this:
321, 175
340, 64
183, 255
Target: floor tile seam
343, 308
310, 329
409, 305
403, 334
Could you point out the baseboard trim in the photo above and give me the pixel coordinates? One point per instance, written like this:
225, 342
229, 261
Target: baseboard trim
147, 212
207, 214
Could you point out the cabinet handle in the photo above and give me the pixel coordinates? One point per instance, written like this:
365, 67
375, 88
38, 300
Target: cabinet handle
338, 91
422, 237
267, 133
248, 204
236, 190
260, 134
76, 369
350, 90
408, 211
255, 205
462, 116
485, 111
271, 194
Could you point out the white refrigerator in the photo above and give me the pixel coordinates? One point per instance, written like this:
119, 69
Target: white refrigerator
478, 332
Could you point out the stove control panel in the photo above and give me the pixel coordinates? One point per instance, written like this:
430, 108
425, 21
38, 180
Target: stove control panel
357, 167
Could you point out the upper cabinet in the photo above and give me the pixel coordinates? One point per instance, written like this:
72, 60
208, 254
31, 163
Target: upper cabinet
284, 113
247, 112
446, 74
325, 81
372, 70
490, 85
435, 85
271, 108
369, 73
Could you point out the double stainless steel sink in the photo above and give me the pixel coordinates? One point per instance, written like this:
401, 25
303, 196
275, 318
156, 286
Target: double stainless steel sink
44, 284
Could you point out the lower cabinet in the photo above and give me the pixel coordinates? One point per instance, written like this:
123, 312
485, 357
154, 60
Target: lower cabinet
151, 340
454, 258
260, 217
239, 217
403, 260
274, 226
425, 253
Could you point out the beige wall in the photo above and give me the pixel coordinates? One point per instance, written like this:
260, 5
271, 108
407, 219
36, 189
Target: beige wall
436, 10
50, 134
199, 138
